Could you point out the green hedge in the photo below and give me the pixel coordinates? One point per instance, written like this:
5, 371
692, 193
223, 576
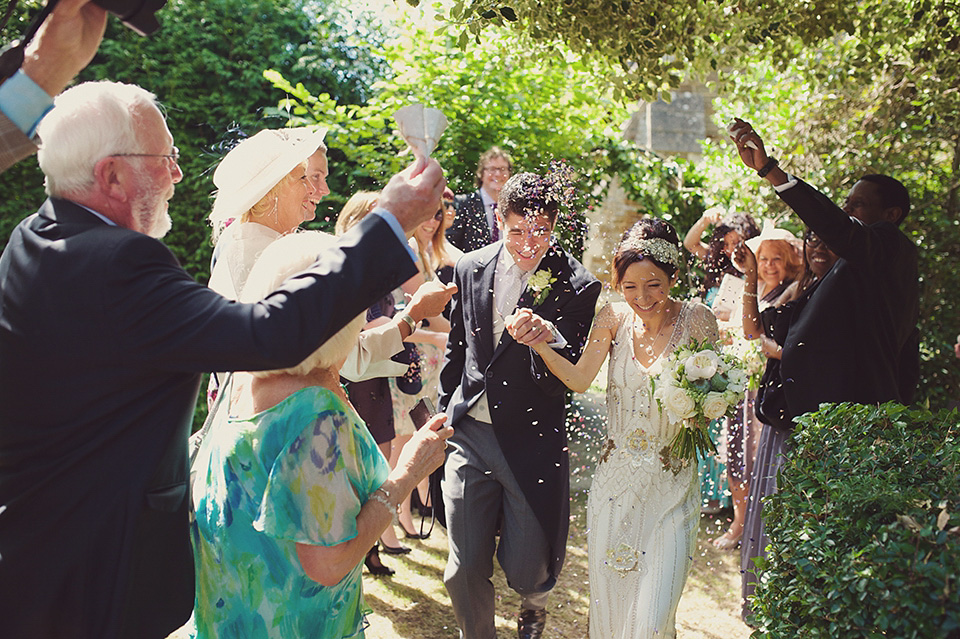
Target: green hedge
865, 531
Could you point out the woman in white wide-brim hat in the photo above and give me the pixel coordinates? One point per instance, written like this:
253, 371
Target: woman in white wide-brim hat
267, 186
779, 264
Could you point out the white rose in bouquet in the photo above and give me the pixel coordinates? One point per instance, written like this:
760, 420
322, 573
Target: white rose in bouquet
702, 365
668, 368
679, 404
715, 405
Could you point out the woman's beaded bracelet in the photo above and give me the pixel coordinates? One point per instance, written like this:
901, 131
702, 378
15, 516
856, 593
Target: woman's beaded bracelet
383, 496
749, 294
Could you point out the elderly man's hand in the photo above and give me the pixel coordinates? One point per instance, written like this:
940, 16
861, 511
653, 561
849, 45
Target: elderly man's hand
413, 194
65, 44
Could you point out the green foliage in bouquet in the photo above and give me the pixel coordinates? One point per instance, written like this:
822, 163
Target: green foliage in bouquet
865, 531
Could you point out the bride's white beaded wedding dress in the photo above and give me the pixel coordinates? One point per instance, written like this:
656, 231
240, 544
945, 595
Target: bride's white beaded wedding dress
644, 505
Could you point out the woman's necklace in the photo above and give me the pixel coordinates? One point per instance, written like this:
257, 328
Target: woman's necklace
653, 343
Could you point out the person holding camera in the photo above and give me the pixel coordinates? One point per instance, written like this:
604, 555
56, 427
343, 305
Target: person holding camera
63, 46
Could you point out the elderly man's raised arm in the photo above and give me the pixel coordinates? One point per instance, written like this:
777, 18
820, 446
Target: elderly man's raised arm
64, 44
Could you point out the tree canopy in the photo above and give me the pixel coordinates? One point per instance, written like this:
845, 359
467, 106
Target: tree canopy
641, 47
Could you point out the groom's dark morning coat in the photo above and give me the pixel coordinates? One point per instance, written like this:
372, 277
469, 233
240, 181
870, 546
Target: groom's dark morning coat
102, 341
527, 402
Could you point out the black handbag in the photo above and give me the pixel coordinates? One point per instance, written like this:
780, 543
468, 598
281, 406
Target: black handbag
410, 382
771, 404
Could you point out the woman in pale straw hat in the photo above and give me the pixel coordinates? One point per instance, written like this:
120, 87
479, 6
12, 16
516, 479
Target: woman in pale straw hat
267, 186
779, 264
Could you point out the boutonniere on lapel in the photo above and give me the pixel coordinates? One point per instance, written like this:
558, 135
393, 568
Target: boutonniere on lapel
539, 284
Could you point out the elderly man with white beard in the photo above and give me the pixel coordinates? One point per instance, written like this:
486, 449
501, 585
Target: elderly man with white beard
103, 338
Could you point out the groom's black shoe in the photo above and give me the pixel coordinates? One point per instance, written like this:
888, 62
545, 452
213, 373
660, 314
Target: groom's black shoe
530, 623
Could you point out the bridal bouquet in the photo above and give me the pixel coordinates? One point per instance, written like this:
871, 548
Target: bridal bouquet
750, 356
697, 384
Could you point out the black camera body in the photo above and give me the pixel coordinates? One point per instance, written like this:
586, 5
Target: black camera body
136, 14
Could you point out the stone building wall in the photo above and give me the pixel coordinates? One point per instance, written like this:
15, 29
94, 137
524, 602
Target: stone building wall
674, 130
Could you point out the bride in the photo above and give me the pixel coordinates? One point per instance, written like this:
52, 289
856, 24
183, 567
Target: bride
644, 505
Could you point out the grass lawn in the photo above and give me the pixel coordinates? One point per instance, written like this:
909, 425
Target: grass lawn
413, 603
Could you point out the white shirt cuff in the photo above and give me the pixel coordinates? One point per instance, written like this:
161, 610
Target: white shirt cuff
789, 184
559, 341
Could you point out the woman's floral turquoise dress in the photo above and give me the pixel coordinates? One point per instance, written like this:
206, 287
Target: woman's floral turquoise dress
298, 472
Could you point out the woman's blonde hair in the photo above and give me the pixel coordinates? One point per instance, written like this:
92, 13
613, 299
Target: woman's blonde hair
269, 203
433, 259
287, 256
356, 208
792, 260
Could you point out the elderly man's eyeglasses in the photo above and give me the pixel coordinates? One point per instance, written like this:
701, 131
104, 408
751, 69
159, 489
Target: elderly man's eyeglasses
173, 158
496, 169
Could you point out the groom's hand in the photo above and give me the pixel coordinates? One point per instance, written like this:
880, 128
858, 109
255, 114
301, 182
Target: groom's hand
528, 328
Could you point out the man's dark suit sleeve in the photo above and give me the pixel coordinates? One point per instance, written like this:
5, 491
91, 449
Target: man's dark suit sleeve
166, 319
847, 237
456, 234
573, 323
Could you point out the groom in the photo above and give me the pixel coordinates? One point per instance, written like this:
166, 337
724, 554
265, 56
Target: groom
507, 469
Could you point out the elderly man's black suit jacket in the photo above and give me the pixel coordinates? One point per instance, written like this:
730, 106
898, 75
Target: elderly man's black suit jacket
527, 402
102, 341
856, 338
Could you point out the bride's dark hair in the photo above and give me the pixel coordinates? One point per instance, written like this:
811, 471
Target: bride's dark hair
628, 253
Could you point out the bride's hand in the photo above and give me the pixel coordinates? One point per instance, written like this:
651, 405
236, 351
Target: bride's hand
528, 328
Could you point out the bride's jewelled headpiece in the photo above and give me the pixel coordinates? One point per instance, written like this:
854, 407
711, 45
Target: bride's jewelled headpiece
656, 248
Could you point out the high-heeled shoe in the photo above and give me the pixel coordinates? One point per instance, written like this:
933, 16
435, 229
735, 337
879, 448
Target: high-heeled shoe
395, 550
413, 535
374, 565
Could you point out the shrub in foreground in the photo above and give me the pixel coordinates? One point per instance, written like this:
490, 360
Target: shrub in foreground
865, 529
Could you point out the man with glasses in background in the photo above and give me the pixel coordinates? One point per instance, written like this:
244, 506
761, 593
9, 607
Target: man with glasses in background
475, 224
